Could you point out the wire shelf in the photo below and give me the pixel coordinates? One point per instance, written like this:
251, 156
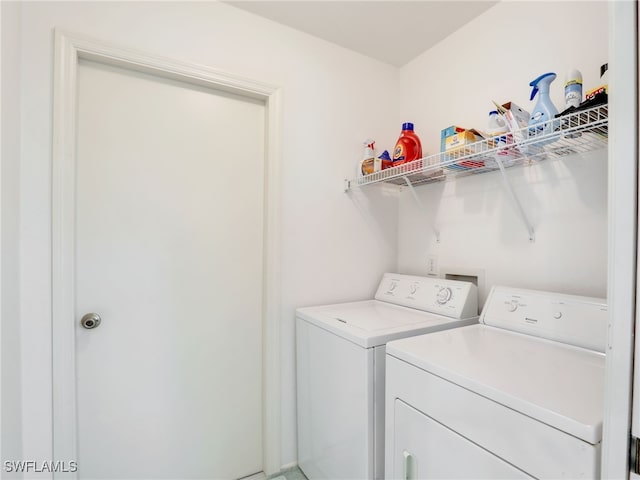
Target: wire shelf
575, 133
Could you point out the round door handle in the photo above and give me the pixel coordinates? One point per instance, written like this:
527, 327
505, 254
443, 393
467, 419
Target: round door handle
90, 321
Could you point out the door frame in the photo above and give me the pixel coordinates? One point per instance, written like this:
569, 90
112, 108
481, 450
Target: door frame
70, 48
622, 282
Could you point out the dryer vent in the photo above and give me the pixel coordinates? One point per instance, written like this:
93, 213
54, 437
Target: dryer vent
465, 274
463, 278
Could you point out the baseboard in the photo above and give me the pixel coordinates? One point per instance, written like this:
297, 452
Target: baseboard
288, 466
283, 470
255, 476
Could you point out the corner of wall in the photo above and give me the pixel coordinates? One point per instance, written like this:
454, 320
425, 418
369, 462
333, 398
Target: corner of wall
565, 201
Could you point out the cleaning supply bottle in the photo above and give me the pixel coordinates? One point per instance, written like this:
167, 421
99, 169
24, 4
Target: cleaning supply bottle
496, 125
573, 89
367, 164
385, 160
498, 131
408, 147
545, 110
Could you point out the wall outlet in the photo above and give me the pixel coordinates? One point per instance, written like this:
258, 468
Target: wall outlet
432, 265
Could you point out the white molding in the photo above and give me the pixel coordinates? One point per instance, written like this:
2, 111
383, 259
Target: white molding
2, 207
272, 282
623, 217
95, 50
69, 49
63, 226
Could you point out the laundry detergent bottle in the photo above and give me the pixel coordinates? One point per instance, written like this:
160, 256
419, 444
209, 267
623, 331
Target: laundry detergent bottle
545, 110
408, 147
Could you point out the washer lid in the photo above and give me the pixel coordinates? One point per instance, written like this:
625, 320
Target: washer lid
371, 322
557, 384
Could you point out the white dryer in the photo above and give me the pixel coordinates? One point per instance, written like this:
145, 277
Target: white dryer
341, 364
519, 395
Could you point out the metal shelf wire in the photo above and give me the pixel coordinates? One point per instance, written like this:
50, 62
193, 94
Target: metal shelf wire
576, 133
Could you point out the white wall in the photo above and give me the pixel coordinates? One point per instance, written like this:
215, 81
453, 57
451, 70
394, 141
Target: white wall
334, 246
10, 313
494, 57
334, 99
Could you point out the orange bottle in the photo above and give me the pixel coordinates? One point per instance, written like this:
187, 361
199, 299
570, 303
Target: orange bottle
408, 147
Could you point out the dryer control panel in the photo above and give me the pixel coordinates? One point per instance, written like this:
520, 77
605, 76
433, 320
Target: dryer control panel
571, 319
452, 298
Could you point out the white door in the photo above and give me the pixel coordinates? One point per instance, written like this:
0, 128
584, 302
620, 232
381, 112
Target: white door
169, 253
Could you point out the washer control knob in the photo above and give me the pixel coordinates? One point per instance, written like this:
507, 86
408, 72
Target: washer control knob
511, 306
413, 289
444, 295
392, 286
557, 315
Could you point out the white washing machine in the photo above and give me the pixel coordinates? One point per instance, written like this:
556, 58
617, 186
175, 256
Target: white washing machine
341, 364
519, 395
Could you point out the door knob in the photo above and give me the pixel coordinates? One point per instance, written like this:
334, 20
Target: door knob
90, 320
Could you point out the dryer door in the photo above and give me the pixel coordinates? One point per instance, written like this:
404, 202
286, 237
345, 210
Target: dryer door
426, 449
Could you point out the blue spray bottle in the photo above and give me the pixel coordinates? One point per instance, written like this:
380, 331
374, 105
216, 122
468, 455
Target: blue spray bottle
545, 110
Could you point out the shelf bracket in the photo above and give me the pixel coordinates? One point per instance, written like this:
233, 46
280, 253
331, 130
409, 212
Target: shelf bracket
419, 203
515, 200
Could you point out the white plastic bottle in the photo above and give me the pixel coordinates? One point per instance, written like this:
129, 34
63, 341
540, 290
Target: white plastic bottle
498, 129
496, 124
368, 164
573, 89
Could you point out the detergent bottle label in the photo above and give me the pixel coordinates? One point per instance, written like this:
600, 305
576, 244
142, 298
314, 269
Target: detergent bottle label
399, 153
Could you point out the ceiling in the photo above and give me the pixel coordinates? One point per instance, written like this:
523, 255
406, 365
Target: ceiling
393, 31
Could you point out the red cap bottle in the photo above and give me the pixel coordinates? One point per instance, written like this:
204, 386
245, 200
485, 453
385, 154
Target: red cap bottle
408, 147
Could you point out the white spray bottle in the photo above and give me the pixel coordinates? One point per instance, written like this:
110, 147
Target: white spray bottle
545, 110
573, 89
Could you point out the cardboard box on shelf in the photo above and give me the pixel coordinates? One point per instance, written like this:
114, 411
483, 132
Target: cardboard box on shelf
459, 140
447, 132
594, 91
461, 145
